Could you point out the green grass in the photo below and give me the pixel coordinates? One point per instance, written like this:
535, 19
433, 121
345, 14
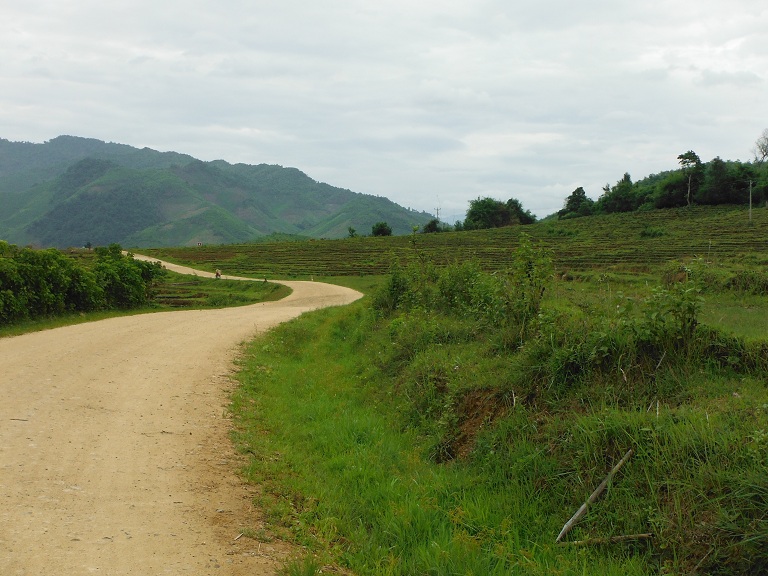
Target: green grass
340, 472
739, 314
345, 474
185, 291
427, 442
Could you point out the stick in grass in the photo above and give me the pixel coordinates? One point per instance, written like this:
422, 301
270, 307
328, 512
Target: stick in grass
599, 490
609, 540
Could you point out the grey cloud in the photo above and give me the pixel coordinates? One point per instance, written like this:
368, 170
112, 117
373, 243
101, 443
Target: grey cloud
738, 78
406, 100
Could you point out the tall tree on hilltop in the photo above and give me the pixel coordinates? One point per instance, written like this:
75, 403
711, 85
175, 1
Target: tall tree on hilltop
671, 191
718, 183
490, 213
619, 197
691, 164
577, 204
516, 211
760, 150
486, 213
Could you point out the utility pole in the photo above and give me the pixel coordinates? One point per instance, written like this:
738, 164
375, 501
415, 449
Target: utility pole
750, 201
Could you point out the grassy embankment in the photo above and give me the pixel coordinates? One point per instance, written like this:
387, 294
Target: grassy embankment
448, 430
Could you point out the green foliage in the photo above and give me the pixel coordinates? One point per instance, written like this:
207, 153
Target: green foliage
127, 283
672, 192
434, 442
511, 298
717, 186
652, 232
39, 283
518, 213
714, 279
434, 226
44, 283
381, 229
486, 213
712, 183
356, 468
578, 204
621, 197
489, 213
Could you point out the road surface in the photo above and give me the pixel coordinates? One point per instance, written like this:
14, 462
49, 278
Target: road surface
114, 449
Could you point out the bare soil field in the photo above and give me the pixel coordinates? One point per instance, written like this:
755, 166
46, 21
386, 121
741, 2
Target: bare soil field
115, 456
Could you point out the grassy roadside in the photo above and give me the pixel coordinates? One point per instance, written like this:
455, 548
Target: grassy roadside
422, 442
343, 474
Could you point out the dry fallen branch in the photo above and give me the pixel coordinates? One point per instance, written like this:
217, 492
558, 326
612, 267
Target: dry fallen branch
599, 490
611, 540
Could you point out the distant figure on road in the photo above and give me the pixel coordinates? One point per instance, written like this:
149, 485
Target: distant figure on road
218, 273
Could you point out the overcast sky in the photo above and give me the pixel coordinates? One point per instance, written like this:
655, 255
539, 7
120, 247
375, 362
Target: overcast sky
429, 103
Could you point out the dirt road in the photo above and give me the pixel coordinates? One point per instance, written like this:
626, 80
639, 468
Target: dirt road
114, 449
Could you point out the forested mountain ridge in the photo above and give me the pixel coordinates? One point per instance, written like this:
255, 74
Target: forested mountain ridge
73, 191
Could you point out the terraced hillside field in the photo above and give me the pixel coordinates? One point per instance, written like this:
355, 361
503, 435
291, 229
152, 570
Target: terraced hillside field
720, 234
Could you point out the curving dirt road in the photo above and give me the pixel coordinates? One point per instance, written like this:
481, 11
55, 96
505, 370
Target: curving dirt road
114, 449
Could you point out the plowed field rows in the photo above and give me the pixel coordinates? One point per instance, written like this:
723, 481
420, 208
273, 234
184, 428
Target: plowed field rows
636, 239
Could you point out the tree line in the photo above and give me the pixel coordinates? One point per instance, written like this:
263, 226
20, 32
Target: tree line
695, 182
44, 283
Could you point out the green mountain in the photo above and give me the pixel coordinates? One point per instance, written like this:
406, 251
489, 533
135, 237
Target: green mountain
72, 191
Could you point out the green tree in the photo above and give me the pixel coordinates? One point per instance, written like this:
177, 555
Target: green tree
35, 283
577, 204
718, 184
691, 164
517, 212
486, 213
127, 283
431, 227
381, 229
760, 150
351, 232
619, 197
672, 191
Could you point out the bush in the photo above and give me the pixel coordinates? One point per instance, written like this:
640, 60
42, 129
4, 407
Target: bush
381, 229
39, 283
127, 283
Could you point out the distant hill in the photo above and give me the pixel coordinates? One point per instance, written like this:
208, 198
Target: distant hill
71, 191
